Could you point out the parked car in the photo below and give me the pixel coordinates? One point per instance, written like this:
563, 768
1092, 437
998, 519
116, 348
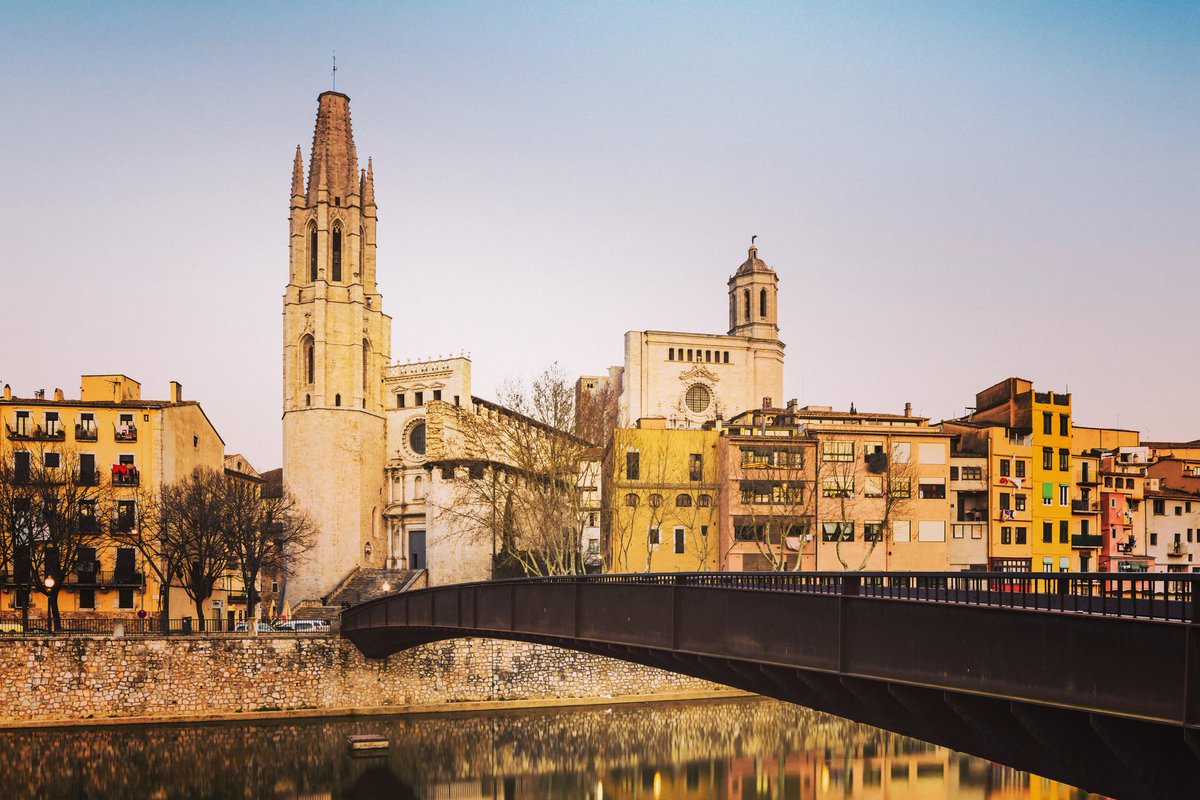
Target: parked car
304, 626
263, 627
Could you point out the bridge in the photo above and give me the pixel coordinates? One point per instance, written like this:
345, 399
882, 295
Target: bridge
1089, 679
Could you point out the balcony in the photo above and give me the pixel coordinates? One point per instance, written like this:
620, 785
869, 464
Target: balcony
95, 579
1176, 549
85, 477
86, 433
125, 432
125, 475
1084, 541
51, 433
1085, 507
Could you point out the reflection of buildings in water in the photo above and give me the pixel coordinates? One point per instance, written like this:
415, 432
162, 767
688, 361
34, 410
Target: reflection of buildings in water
716, 750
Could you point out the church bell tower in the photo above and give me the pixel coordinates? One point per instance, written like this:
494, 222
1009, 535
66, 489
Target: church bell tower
754, 299
336, 342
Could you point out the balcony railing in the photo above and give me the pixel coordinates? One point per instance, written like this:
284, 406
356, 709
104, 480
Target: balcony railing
85, 579
86, 433
1081, 541
1176, 549
125, 432
125, 475
1085, 506
51, 433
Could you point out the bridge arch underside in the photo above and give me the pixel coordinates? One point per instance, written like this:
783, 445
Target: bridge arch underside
1095, 702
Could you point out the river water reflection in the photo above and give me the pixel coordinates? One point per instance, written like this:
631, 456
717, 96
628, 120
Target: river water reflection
715, 750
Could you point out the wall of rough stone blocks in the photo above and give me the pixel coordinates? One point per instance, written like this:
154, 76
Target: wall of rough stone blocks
93, 677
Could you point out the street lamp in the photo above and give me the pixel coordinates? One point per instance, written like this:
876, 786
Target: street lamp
49, 584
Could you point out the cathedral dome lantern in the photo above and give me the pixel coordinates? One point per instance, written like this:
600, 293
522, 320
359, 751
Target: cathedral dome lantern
754, 298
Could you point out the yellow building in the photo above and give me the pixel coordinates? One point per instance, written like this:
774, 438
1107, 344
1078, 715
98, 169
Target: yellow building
110, 437
660, 513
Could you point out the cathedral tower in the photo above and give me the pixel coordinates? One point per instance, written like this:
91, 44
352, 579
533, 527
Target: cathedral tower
753, 299
336, 342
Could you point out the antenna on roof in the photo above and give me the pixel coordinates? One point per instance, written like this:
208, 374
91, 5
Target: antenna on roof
335, 70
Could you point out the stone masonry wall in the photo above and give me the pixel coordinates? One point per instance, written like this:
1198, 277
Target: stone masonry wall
79, 678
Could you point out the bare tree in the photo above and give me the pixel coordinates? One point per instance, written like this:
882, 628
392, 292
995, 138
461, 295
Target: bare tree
153, 541
877, 487
515, 470
267, 532
778, 501
55, 516
638, 497
194, 524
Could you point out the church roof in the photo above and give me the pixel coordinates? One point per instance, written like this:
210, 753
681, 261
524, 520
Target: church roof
334, 162
753, 263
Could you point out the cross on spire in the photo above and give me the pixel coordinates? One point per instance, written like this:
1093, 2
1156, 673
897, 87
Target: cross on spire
335, 70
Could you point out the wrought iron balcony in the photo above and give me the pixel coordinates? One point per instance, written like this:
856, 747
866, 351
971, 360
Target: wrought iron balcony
125, 475
51, 433
95, 579
86, 433
125, 432
1085, 506
1082, 541
1176, 549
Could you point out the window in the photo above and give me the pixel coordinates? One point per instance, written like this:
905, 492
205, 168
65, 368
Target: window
1005, 467
1006, 535
416, 438
698, 398
1047, 532
51, 460
695, 467
726, 356
872, 531
901, 531
1019, 465
901, 452
708, 356
901, 488
762, 303
838, 486
704, 501
683, 501
1154, 538
633, 469
837, 531
671, 354
1004, 501
366, 365
447, 473
655, 500
87, 598
437, 394
1064, 425
1047, 422
931, 530
308, 348
1022, 533
872, 486
1047, 458
1064, 498
931, 453
1064, 531
400, 400
654, 536
1064, 460
746, 299
337, 400
1047, 494
419, 398
53, 427
678, 541
744, 531
1019, 502
475, 472
126, 515
1178, 511
312, 251
337, 251
931, 489
972, 473
954, 473
837, 451
125, 598
689, 358
631, 500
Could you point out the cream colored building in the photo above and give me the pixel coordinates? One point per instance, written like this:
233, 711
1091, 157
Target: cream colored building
373, 450
689, 379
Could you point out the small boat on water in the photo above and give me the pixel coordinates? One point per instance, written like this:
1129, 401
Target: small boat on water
368, 745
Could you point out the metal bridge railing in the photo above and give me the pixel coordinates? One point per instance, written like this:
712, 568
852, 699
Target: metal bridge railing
1138, 595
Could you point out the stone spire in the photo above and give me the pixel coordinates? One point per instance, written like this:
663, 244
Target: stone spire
368, 185
333, 151
297, 176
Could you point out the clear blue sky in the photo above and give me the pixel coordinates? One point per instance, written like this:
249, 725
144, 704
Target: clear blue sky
952, 193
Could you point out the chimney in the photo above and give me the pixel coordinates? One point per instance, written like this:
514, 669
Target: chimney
766, 402
791, 404
40, 394
176, 392
58, 395
908, 409
7, 392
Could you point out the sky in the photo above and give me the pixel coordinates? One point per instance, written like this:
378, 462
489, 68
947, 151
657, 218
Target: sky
951, 193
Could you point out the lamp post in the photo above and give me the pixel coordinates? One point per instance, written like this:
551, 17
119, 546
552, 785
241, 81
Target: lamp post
49, 584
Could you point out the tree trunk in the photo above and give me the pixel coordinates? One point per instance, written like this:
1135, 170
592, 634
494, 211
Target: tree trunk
54, 618
200, 614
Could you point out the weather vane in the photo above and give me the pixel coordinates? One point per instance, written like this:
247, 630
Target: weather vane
335, 70
752, 238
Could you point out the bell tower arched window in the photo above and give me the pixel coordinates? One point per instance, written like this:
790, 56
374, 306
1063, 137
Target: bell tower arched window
337, 252
366, 364
762, 303
746, 298
312, 251
307, 353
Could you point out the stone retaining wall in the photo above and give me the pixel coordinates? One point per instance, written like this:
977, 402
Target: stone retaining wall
84, 677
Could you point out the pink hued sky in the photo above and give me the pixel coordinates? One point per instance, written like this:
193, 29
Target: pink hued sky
951, 193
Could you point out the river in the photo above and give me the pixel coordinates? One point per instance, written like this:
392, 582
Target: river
738, 749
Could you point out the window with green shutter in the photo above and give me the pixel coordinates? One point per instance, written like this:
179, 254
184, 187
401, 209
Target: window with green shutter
1047, 494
